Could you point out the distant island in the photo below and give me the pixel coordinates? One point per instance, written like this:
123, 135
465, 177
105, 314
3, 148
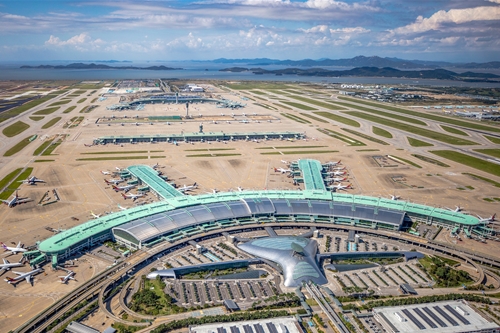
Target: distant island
80, 65
440, 74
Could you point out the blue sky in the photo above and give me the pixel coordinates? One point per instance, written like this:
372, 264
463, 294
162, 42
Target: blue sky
453, 30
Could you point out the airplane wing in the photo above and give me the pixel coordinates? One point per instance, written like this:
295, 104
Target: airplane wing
18, 273
28, 278
5, 261
24, 200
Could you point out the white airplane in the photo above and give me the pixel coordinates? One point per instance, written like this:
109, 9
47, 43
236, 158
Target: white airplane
338, 173
395, 197
114, 181
457, 209
333, 163
156, 166
118, 169
338, 169
125, 188
340, 187
105, 172
14, 250
96, 216
188, 187
284, 162
7, 265
240, 188
23, 275
32, 181
282, 170
492, 218
66, 278
122, 208
132, 196
336, 179
16, 201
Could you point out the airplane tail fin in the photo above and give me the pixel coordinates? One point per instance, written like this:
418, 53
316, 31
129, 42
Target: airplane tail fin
4, 246
194, 184
493, 216
124, 196
349, 186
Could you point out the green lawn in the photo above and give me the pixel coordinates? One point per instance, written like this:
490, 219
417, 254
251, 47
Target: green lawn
317, 103
493, 139
283, 106
47, 111
15, 184
491, 152
212, 155
68, 110
81, 100
381, 132
367, 137
418, 143
293, 152
42, 147
423, 114
51, 123
339, 136
412, 129
248, 85
453, 130
468, 160
18, 147
299, 106
385, 114
484, 179
296, 118
430, 160
321, 120
62, 102
407, 161
36, 118
16, 128
7, 179
20, 109
337, 118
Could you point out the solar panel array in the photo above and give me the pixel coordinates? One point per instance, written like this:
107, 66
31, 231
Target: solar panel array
446, 316
221, 330
433, 316
425, 318
258, 328
234, 329
247, 329
456, 314
271, 328
413, 319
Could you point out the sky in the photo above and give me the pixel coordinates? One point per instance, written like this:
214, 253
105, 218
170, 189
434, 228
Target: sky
453, 30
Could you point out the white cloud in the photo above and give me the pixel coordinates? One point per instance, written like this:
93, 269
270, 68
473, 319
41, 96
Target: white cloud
81, 42
456, 16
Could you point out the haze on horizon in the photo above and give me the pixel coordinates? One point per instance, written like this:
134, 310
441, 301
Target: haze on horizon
454, 30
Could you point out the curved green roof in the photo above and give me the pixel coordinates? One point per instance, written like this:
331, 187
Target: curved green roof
73, 236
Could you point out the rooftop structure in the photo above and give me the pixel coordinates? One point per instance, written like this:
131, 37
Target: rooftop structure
149, 176
296, 256
76, 327
198, 137
438, 317
274, 325
311, 172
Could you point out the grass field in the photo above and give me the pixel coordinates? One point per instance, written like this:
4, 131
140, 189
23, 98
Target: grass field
283, 106
211, 149
51, 148
430, 160
491, 152
42, 147
116, 152
430, 116
337, 118
321, 120
46, 111
36, 118
61, 102
293, 152
367, 137
453, 130
15, 184
81, 100
493, 139
117, 158
407, 161
292, 147
250, 85
385, 114
413, 129
299, 106
317, 103
339, 136
258, 92
213, 155
16, 128
39, 161
488, 180
418, 143
68, 110
25, 107
296, 118
51, 123
7, 179
381, 132
468, 160
265, 106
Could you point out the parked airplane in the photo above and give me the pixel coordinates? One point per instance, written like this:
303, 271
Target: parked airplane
118, 169
132, 196
125, 188
186, 188
338, 173
333, 163
457, 209
282, 170
105, 172
240, 188
336, 179
122, 208
340, 187
32, 180
156, 166
14, 250
395, 197
23, 275
7, 265
16, 201
114, 181
66, 278
96, 216
284, 162
492, 218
